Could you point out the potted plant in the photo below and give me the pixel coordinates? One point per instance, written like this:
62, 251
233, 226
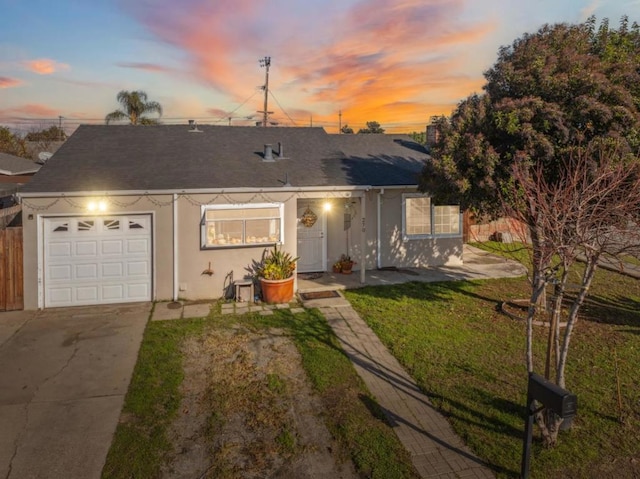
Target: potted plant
337, 267
346, 264
276, 276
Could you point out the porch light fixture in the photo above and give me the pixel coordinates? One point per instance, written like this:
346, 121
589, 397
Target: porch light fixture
97, 206
327, 206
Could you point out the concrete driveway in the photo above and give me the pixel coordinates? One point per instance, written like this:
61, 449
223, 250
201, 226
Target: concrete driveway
63, 377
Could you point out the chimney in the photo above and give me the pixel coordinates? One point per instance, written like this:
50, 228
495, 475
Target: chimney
280, 150
268, 153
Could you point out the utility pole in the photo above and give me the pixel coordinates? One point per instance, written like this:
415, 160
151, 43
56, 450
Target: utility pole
60, 134
265, 63
340, 122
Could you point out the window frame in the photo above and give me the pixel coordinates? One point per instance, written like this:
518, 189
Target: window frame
240, 206
432, 208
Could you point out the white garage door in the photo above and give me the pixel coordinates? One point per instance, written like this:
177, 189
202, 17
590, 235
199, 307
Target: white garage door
97, 260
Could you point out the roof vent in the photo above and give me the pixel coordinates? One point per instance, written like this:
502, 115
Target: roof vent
280, 150
194, 126
268, 153
43, 156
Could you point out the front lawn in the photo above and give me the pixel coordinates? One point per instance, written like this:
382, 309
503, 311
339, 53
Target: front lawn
142, 444
470, 360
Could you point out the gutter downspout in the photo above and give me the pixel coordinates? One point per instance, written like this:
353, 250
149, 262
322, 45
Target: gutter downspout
175, 247
379, 230
363, 237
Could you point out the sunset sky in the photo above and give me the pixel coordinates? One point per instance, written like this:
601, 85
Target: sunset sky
397, 62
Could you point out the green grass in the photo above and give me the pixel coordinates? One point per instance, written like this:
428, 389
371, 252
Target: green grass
470, 360
350, 413
151, 402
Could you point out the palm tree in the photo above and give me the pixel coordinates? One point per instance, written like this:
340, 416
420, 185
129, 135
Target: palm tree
134, 106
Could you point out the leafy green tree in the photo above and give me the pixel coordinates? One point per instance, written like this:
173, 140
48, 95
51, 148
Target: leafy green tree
134, 106
554, 142
50, 134
346, 130
419, 137
12, 144
372, 127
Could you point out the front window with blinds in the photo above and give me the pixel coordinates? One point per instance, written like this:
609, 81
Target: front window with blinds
417, 216
241, 225
422, 219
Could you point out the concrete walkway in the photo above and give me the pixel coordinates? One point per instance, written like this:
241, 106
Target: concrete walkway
64, 375
436, 451
478, 264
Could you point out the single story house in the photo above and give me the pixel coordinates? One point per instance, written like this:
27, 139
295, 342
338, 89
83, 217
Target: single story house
14, 172
129, 213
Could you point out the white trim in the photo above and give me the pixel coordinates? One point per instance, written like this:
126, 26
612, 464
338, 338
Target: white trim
239, 206
175, 247
282, 189
379, 229
432, 206
40, 218
40, 256
363, 237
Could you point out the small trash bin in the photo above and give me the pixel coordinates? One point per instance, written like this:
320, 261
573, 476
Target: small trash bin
244, 291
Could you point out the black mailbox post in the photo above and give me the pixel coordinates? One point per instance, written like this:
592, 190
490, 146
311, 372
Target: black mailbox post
552, 396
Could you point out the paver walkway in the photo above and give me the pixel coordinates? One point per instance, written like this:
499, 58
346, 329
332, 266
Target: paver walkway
436, 451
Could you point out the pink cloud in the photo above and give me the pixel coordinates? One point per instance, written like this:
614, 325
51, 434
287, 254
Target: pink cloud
6, 82
150, 67
30, 110
45, 66
368, 57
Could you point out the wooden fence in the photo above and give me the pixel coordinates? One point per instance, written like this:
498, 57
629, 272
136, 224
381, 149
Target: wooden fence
11, 273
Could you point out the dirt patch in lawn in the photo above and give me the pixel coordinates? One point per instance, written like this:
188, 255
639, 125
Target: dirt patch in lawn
248, 411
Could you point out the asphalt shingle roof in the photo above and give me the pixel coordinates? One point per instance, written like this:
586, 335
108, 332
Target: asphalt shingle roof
171, 157
14, 165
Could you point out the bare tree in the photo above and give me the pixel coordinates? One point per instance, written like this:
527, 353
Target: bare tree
591, 209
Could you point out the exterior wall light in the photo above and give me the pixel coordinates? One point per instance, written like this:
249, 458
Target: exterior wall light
97, 206
327, 206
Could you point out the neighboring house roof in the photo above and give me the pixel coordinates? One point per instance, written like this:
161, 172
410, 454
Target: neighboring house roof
172, 157
11, 165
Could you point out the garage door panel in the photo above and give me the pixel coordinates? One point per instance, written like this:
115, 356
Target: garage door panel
138, 291
59, 249
113, 270
112, 292
86, 248
137, 246
138, 268
60, 272
97, 260
60, 296
112, 247
87, 293
86, 271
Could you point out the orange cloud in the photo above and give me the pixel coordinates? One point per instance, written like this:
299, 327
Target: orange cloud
6, 82
45, 66
376, 59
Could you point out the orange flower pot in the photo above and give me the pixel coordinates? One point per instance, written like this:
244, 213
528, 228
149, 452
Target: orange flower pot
276, 291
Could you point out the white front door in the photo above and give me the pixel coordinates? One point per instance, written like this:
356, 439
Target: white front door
311, 237
97, 260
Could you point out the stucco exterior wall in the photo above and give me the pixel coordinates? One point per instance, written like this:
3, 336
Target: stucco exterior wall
230, 264
36, 209
398, 251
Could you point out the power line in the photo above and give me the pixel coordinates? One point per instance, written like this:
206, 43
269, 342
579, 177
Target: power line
283, 110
